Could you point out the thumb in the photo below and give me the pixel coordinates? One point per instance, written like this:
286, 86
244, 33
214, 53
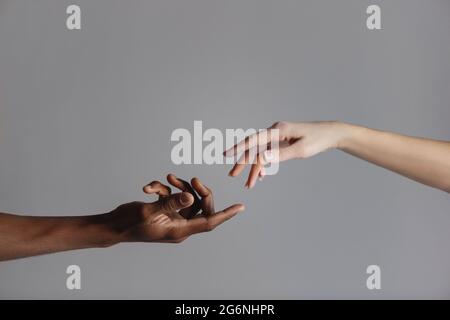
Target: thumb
177, 201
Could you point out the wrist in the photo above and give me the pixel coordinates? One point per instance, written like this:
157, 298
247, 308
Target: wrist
346, 133
99, 231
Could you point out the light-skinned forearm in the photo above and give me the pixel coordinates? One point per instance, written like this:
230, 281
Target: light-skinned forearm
423, 160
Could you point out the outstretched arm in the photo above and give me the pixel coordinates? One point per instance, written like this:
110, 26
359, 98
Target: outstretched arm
22, 236
424, 160
173, 218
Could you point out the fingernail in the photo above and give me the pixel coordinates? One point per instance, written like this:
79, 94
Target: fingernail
268, 156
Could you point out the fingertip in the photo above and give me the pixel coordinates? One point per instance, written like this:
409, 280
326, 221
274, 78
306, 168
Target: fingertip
234, 209
196, 184
235, 171
260, 176
186, 198
228, 152
147, 189
173, 180
247, 183
262, 172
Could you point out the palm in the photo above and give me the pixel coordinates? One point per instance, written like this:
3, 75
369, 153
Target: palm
160, 225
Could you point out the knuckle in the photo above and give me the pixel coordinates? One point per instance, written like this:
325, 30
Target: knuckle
281, 125
154, 183
209, 226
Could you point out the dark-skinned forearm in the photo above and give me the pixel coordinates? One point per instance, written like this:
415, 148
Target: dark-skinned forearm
23, 236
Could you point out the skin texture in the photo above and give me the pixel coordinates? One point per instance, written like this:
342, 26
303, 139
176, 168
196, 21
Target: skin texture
172, 218
423, 160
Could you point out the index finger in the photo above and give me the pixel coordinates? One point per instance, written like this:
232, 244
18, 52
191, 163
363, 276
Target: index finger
261, 138
180, 184
186, 187
207, 199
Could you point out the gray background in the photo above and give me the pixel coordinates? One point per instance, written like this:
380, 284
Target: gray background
86, 118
